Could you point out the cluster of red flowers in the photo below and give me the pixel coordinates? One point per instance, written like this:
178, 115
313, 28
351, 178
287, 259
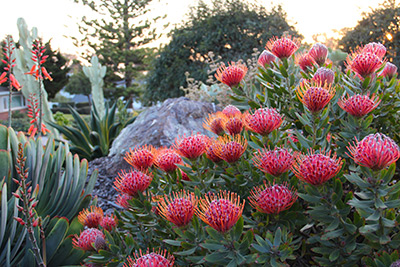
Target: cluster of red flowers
9, 61
159, 258
33, 114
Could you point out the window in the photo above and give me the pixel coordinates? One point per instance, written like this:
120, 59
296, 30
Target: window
17, 101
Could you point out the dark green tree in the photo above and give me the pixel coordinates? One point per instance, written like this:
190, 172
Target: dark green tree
78, 82
380, 25
229, 28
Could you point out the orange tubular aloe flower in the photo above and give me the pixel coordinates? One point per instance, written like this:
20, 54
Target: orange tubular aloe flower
274, 162
3, 77
282, 47
359, 105
263, 120
316, 168
272, 199
140, 158
91, 217
178, 208
314, 96
154, 259
319, 53
132, 182
86, 238
213, 123
231, 75
230, 148
193, 146
221, 211
166, 159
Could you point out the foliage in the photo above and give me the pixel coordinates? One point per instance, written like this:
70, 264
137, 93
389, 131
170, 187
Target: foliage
61, 119
20, 121
230, 29
79, 84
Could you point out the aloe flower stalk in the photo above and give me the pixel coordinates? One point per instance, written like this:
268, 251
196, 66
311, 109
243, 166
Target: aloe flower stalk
34, 112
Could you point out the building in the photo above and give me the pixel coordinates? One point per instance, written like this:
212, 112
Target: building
18, 102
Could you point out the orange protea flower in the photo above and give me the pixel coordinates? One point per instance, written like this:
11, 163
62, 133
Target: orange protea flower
140, 158
375, 151
305, 61
193, 146
359, 105
109, 222
151, 259
314, 96
363, 64
231, 111
230, 148
91, 218
323, 76
272, 199
132, 182
87, 238
282, 47
233, 125
212, 151
319, 53
221, 211
316, 168
213, 123
166, 159
122, 200
178, 208
266, 58
263, 120
389, 71
274, 162
377, 49
231, 75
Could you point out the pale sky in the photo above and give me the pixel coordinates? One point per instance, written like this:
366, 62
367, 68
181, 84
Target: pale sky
57, 19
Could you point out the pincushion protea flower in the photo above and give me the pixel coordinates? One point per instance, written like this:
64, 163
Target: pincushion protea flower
266, 58
274, 162
282, 47
221, 211
211, 151
305, 61
122, 200
263, 120
233, 125
132, 182
87, 238
316, 168
375, 151
178, 208
363, 64
231, 111
314, 96
359, 105
192, 146
140, 158
377, 49
323, 76
231, 75
230, 148
91, 217
151, 259
319, 53
272, 199
109, 222
166, 159
389, 71
213, 123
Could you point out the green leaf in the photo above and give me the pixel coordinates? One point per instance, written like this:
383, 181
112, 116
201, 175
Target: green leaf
277, 238
214, 234
215, 257
238, 230
334, 255
55, 237
171, 242
211, 246
186, 252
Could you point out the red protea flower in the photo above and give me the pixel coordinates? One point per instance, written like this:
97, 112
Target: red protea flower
193, 146
323, 75
132, 182
233, 125
230, 148
263, 120
359, 105
282, 47
375, 151
166, 159
315, 97
151, 259
87, 238
316, 168
231, 111
363, 64
389, 71
266, 58
272, 199
319, 53
140, 158
213, 123
377, 49
122, 200
231, 75
212, 151
305, 61
178, 208
221, 211
274, 162
109, 222
91, 218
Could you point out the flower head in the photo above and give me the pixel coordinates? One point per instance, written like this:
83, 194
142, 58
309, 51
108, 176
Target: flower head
316, 168
193, 146
233, 125
132, 182
109, 222
213, 123
314, 96
274, 162
231, 111
305, 61
323, 76
377, 49
178, 208
91, 218
166, 159
221, 211
122, 200
140, 158
87, 238
282, 47
151, 259
319, 53
389, 71
272, 199
263, 120
212, 151
230, 148
363, 64
266, 58
359, 105
375, 151
231, 75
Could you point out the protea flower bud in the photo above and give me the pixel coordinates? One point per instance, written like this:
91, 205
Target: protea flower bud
363, 64
305, 61
230, 148
272, 199
109, 222
140, 158
359, 105
231, 111
100, 243
122, 200
266, 58
193, 146
282, 47
377, 49
166, 159
231, 75
212, 153
263, 120
375, 151
389, 71
91, 218
159, 259
274, 162
319, 53
221, 211
132, 182
323, 76
213, 123
87, 238
315, 97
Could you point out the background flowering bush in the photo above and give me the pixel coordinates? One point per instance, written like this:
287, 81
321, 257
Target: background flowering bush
300, 173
